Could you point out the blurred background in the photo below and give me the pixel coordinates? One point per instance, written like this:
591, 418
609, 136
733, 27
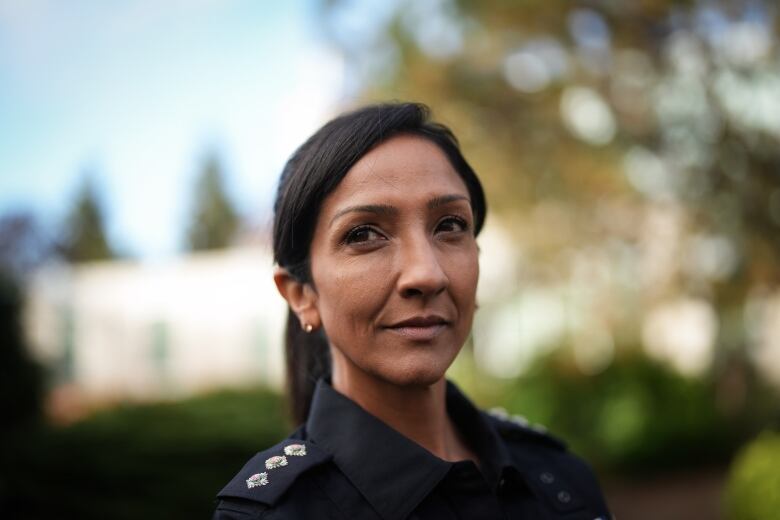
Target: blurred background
630, 291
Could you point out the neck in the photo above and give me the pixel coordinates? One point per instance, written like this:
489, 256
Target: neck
419, 412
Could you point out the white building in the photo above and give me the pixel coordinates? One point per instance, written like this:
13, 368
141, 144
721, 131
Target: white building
117, 330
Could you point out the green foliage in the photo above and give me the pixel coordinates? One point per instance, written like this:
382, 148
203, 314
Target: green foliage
85, 237
636, 416
214, 220
161, 461
753, 490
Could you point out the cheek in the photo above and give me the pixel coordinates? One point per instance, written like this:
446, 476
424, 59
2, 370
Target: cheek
463, 279
354, 289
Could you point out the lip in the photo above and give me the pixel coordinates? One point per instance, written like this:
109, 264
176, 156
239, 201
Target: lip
420, 321
420, 328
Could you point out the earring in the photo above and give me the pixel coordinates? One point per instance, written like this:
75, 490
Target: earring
308, 328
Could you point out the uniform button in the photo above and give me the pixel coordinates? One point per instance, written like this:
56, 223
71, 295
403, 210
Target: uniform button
564, 497
547, 477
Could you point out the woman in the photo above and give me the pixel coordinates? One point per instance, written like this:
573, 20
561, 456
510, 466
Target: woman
375, 229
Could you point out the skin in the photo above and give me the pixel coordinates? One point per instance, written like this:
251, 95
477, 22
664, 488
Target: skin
392, 242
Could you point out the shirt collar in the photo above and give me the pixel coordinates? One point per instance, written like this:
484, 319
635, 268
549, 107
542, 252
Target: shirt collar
390, 470
479, 433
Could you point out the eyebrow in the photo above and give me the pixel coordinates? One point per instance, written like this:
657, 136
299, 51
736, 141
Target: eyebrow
445, 199
386, 209
377, 209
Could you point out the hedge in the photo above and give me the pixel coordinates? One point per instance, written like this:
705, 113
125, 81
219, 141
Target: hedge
158, 461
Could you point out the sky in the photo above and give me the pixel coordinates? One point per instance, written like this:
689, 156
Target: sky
135, 93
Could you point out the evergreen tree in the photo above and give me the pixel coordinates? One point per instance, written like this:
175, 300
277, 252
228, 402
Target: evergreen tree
24, 243
85, 236
214, 220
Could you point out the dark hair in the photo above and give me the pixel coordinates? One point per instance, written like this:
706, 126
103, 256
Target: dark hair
313, 172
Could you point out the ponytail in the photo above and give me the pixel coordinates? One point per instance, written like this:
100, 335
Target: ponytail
308, 359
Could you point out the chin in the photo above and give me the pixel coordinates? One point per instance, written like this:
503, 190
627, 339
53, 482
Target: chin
414, 372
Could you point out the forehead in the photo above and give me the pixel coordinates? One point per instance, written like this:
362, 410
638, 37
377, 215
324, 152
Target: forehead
406, 166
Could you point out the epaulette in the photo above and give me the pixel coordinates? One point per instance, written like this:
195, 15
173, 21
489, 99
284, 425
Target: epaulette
270, 473
517, 427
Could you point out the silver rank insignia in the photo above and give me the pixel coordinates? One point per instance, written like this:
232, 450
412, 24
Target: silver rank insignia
295, 450
258, 479
276, 462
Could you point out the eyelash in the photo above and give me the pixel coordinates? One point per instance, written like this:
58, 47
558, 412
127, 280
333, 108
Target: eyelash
461, 221
349, 238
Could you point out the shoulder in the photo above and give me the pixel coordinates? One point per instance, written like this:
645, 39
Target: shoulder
267, 478
566, 480
517, 429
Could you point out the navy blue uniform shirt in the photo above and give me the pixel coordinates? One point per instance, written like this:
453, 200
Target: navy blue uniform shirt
344, 463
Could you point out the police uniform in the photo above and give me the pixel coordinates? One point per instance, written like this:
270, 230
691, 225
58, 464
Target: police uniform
344, 463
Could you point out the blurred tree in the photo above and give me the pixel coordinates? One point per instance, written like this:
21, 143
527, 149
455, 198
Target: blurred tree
23, 247
84, 238
214, 220
21, 385
23, 243
20, 378
624, 131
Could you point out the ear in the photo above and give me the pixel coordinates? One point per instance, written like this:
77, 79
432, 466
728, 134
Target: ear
300, 296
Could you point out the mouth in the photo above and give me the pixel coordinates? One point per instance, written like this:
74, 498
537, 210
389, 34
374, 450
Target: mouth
420, 328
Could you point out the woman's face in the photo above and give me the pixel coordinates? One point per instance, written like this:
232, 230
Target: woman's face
394, 264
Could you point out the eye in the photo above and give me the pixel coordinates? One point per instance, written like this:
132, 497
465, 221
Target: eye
452, 225
362, 235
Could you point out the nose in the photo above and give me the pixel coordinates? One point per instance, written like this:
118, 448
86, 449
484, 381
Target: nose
421, 271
